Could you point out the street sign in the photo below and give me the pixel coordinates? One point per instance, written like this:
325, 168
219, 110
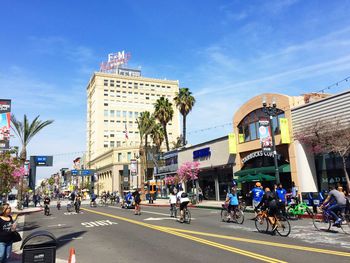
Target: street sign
83, 172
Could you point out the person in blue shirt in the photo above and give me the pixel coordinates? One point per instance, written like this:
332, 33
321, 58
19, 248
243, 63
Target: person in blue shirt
281, 198
232, 200
257, 194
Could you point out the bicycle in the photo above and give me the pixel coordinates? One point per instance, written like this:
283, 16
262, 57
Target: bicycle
238, 216
102, 202
70, 206
325, 220
281, 224
187, 215
296, 210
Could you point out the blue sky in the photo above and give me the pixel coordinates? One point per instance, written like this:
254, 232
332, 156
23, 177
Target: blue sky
224, 51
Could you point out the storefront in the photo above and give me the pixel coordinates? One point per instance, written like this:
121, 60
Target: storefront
216, 167
252, 163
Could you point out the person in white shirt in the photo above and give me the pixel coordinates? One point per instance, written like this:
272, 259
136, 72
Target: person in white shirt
172, 202
182, 198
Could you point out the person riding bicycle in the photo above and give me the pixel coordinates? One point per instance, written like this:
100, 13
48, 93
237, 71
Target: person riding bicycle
269, 203
172, 202
77, 202
47, 201
232, 200
339, 204
182, 198
257, 194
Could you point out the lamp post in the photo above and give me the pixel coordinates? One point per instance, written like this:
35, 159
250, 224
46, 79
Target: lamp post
271, 111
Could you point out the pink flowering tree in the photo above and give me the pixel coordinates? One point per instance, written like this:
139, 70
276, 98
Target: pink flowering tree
11, 171
188, 171
171, 180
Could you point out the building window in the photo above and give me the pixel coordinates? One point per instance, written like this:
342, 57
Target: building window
105, 82
118, 113
124, 114
112, 113
120, 156
112, 143
105, 113
105, 104
129, 156
130, 114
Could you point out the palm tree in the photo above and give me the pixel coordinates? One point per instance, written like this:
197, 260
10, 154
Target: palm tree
164, 112
25, 131
157, 136
145, 123
184, 101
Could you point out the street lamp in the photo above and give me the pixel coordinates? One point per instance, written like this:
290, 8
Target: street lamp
271, 111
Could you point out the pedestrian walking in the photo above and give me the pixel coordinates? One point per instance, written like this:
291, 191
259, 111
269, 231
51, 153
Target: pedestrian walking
295, 193
281, 198
7, 229
137, 200
257, 194
172, 202
200, 194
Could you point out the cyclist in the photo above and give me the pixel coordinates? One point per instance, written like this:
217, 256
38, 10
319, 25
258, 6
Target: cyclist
269, 203
172, 202
257, 194
232, 201
77, 202
46, 204
182, 198
339, 204
93, 199
137, 198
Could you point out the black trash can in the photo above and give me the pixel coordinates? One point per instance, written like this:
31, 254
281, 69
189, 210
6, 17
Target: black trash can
39, 247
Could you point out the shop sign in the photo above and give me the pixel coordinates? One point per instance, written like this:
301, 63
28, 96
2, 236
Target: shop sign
265, 135
202, 153
258, 154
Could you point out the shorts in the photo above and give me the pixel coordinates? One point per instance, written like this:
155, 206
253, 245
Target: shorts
183, 205
272, 211
232, 208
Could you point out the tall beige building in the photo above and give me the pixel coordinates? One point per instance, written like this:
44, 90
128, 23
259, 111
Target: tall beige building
114, 102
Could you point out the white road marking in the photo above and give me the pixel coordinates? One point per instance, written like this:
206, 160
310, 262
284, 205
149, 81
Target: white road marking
98, 223
143, 211
72, 213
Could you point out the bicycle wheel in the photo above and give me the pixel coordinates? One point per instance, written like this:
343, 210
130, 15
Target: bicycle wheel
345, 225
69, 208
187, 216
239, 216
283, 227
309, 213
224, 215
261, 223
290, 213
321, 222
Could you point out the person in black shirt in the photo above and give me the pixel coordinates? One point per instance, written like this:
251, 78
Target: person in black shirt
269, 202
7, 225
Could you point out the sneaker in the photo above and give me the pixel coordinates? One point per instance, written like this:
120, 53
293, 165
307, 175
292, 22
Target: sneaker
337, 223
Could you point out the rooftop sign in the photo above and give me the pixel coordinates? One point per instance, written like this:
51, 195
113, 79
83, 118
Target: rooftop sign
114, 61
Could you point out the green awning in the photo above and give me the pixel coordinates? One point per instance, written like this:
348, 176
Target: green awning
256, 178
285, 168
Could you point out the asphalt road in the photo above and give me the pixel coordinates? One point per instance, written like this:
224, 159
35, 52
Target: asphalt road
112, 234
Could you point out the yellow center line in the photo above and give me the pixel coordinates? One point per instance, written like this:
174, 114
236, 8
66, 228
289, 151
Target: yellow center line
199, 240
267, 243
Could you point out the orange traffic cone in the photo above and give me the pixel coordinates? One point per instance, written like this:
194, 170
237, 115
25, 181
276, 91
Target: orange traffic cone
71, 256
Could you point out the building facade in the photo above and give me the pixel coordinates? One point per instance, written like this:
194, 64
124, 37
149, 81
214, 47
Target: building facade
114, 103
317, 172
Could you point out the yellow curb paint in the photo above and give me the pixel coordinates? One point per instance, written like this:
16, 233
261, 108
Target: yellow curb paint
199, 240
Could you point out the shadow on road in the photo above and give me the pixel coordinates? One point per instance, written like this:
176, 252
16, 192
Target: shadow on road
65, 239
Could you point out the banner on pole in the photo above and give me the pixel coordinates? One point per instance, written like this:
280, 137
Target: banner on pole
5, 119
285, 138
265, 135
232, 145
241, 138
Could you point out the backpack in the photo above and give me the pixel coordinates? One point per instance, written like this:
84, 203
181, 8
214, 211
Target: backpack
184, 195
137, 198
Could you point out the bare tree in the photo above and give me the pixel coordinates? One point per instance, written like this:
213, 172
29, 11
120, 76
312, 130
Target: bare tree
331, 136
